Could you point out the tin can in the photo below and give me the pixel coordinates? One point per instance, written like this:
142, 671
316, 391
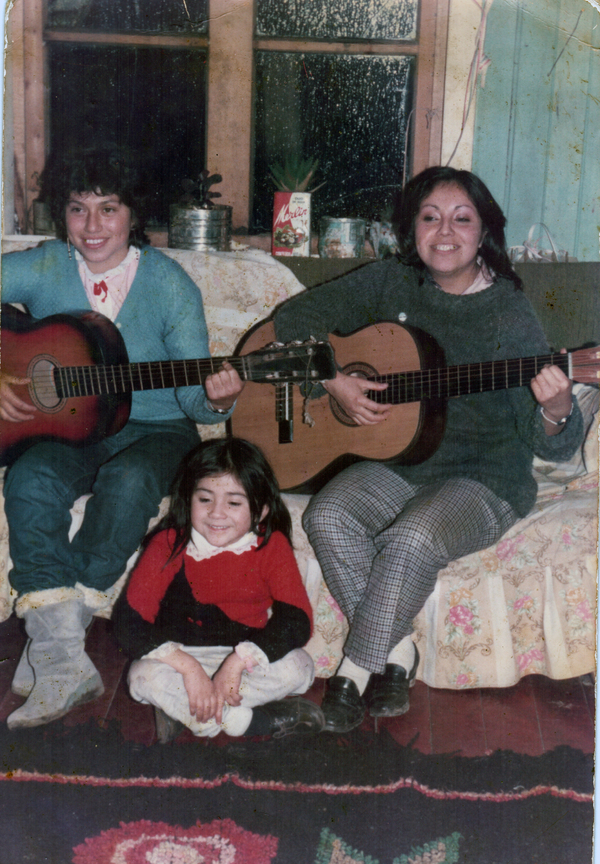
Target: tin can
291, 224
200, 229
341, 238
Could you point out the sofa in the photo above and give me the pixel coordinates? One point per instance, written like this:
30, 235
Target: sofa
524, 606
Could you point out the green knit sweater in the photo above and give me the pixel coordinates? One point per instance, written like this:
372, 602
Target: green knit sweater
490, 437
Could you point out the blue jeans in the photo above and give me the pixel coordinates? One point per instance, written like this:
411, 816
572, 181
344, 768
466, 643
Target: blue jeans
128, 474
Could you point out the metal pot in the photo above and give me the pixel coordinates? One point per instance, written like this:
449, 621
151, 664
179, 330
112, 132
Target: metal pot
200, 229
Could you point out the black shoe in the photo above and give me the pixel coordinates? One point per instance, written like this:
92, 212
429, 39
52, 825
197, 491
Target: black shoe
387, 693
167, 729
343, 706
292, 716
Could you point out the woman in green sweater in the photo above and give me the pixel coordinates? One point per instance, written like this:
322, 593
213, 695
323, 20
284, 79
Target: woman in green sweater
383, 531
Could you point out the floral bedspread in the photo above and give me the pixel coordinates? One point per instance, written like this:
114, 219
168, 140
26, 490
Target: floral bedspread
524, 606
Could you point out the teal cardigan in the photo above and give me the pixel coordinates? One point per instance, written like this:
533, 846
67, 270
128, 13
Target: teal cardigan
162, 317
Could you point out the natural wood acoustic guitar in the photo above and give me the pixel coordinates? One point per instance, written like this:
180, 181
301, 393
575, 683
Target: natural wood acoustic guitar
306, 456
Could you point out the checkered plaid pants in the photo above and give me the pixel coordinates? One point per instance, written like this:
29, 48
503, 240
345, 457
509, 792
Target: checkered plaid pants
381, 542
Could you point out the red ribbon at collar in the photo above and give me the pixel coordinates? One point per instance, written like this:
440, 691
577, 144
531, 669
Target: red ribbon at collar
99, 287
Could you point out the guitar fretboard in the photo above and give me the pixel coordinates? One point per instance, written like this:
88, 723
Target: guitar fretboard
461, 380
129, 377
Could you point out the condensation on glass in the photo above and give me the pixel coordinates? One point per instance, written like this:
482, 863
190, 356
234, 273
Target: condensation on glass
151, 100
145, 16
337, 19
348, 111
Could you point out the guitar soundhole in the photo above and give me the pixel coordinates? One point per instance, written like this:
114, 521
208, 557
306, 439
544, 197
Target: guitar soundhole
42, 390
362, 370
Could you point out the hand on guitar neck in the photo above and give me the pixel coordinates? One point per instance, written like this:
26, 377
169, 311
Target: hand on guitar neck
349, 391
552, 390
13, 409
223, 387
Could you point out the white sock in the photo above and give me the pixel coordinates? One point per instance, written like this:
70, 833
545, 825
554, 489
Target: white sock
360, 676
403, 654
236, 720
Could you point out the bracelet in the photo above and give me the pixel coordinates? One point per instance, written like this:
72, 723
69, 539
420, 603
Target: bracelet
556, 422
217, 410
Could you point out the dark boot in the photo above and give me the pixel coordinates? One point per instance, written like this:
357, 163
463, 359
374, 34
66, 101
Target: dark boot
289, 717
167, 729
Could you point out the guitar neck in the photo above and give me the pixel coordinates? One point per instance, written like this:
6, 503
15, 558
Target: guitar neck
130, 377
450, 381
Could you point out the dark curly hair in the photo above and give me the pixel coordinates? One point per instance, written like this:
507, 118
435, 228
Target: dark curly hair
248, 465
493, 248
104, 170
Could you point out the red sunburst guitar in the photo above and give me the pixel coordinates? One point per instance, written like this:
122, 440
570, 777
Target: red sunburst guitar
81, 380
305, 457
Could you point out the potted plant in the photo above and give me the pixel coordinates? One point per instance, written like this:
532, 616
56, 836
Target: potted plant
195, 222
291, 206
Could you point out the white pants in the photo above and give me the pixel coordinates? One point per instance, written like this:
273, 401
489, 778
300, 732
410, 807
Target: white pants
153, 682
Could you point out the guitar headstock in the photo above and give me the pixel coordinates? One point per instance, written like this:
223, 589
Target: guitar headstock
294, 362
585, 364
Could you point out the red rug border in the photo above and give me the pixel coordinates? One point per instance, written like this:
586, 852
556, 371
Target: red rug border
20, 776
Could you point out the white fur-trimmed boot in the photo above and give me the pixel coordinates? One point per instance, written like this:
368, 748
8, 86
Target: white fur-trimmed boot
23, 679
64, 676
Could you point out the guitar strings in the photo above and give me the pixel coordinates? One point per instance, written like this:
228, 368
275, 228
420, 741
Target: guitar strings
403, 387
95, 379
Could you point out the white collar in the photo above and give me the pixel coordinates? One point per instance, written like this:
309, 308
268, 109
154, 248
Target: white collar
485, 277
199, 548
132, 255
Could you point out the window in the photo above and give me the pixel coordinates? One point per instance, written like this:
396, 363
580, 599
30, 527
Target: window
116, 16
151, 100
349, 112
236, 86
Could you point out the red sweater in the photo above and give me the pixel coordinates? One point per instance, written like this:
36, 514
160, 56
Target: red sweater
227, 596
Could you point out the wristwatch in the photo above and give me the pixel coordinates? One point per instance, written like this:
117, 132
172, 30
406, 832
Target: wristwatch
556, 422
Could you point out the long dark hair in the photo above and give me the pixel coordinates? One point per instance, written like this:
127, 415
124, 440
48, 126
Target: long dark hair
104, 170
493, 248
248, 465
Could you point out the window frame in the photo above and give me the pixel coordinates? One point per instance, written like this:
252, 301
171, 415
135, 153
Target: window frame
230, 46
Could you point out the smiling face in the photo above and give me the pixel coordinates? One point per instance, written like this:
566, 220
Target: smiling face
221, 511
99, 227
448, 234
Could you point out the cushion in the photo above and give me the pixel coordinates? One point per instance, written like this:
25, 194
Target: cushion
585, 459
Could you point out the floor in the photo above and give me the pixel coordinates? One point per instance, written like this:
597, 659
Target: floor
535, 716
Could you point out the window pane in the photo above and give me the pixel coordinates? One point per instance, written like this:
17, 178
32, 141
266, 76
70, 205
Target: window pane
349, 112
147, 16
337, 19
149, 99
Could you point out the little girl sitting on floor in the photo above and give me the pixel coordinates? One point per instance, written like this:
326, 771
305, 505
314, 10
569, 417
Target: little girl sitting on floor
215, 611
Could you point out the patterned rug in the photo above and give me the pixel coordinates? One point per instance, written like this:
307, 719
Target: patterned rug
84, 795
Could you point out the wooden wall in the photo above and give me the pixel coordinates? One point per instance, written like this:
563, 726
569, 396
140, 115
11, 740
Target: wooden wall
537, 130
